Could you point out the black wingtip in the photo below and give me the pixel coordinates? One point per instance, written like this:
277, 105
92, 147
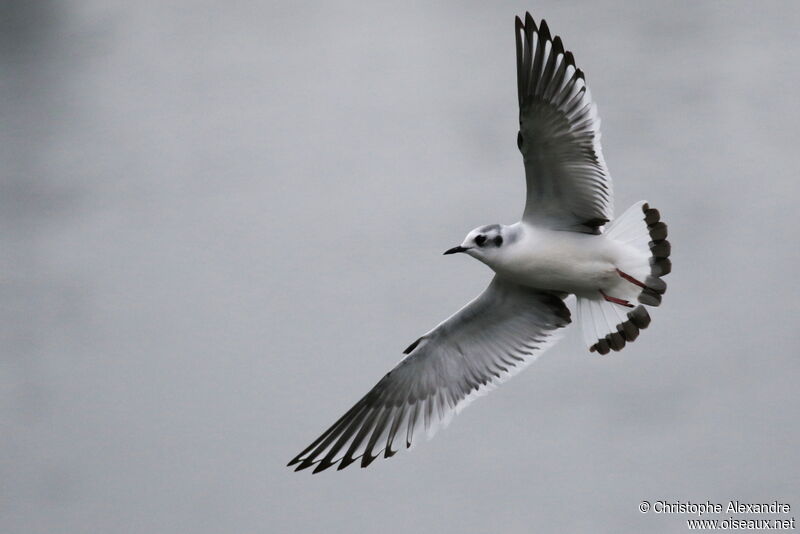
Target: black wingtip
301, 466
558, 46
322, 466
368, 459
346, 461
529, 23
544, 31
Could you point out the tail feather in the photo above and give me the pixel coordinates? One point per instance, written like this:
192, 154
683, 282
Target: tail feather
660, 265
642, 228
608, 326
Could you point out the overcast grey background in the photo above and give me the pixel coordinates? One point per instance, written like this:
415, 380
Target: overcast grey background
223, 221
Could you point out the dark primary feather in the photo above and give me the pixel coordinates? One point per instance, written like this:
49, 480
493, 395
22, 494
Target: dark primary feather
486, 341
568, 185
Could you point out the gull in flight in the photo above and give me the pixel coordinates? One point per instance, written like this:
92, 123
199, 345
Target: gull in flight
566, 243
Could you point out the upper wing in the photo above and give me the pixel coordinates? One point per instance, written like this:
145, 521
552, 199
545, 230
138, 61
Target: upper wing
568, 183
488, 340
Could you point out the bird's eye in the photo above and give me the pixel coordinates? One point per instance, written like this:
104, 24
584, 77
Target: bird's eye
498, 241
480, 240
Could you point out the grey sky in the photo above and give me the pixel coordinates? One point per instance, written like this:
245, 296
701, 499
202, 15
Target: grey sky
222, 223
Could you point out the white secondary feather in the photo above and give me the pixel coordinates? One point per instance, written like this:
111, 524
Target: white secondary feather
568, 183
490, 339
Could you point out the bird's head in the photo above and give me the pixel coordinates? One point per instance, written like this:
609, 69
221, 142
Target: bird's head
485, 243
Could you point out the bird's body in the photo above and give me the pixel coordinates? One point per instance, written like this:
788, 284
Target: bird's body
568, 242
566, 262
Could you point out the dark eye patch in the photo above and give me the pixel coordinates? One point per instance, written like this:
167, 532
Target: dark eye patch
480, 240
498, 241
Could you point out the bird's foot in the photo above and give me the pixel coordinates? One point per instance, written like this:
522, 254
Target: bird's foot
615, 300
631, 279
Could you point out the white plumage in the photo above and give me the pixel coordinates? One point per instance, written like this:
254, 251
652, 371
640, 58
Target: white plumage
565, 244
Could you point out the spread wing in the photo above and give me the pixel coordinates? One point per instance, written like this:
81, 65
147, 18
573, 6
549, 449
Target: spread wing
568, 184
487, 341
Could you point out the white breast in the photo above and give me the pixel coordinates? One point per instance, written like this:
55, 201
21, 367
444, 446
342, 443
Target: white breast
560, 261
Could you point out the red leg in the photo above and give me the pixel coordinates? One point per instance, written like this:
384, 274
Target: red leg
631, 279
615, 300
